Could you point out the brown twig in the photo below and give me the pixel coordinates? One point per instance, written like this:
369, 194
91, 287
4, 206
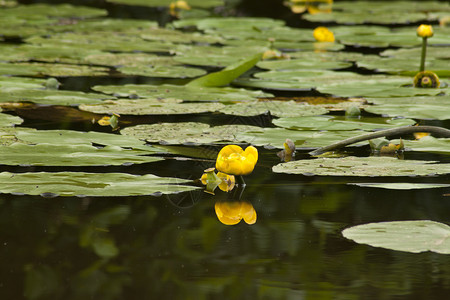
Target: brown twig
440, 131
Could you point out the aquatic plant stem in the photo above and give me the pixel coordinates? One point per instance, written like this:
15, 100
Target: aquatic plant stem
240, 180
424, 54
440, 131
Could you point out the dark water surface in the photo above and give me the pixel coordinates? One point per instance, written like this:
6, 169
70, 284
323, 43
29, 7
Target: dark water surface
174, 247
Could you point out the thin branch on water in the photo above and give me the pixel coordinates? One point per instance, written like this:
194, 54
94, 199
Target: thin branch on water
440, 131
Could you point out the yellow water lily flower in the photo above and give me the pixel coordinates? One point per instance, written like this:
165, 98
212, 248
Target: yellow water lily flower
233, 160
231, 213
323, 34
425, 31
176, 6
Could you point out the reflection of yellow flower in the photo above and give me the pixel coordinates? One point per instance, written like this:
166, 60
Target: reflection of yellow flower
425, 31
233, 160
231, 213
323, 34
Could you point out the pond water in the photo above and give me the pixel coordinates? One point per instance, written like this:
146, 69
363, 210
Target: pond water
176, 246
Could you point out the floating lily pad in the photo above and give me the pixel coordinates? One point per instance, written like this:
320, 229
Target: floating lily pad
379, 12
163, 71
217, 56
90, 184
276, 108
405, 67
8, 120
362, 166
403, 185
428, 144
53, 97
151, 107
39, 11
186, 133
303, 64
409, 236
70, 155
39, 69
437, 107
295, 79
185, 93
303, 139
175, 36
24, 52
332, 124
71, 137
162, 3
230, 23
377, 86
101, 41
377, 36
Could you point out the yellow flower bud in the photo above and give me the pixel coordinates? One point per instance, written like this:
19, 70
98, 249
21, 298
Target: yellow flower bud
425, 31
233, 160
323, 34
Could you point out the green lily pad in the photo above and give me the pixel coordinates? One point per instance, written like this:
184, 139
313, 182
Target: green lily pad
303, 64
43, 53
403, 185
7, 82
39, 69
412, 107
303, 139
186, 133
90, 184
175, 36
70, 155
101, 41
70, 137
151, 107
409, 236
162, 71
230, 23
8, 120
379, 12
217, 56
362, 166
52, 97
333, 123
276, 108
428, 144
162, 3
38, 11
185, 93
404, 66
377, 86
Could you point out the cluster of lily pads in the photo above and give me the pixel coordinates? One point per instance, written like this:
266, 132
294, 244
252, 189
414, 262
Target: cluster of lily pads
215, 65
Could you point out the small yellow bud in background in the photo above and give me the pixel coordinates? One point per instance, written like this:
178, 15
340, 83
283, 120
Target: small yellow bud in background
323, 34
425, 31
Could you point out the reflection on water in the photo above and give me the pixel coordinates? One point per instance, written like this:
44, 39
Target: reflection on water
146, 247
